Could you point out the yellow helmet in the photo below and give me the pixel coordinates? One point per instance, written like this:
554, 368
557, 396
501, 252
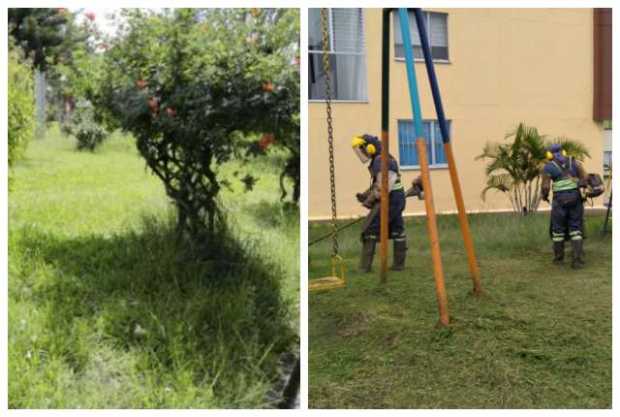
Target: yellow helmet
363, 149
357, 141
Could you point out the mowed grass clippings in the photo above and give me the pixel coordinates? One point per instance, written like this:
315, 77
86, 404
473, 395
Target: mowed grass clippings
108, 310
539, 337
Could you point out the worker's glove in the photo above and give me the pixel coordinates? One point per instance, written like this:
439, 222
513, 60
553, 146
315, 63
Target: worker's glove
583, 183
370, 200
417, 189
361, 197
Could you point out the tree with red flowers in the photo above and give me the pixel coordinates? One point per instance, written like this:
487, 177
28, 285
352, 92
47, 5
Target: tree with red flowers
194, 87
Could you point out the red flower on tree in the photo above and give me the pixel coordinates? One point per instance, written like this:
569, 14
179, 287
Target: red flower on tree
266, 140
153, 105
90, 16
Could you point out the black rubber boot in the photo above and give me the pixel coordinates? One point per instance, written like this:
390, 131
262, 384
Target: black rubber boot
368, 252
558, 252
400, 254
578, 261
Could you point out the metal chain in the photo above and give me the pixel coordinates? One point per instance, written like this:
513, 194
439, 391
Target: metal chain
330, 129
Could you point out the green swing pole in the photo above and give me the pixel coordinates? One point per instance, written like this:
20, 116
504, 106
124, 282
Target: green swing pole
385, 143
433, 233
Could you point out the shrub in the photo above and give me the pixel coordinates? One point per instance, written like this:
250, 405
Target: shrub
514, 167
21, 105
82, 124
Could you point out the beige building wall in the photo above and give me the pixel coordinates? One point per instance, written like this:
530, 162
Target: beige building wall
506, 66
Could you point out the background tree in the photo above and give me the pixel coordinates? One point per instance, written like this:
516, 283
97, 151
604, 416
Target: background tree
73, 81
514, 168
21, 103
39, 32
76, 59
196, 87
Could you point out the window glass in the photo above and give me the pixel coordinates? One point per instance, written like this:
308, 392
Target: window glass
439, 35
440, 157
434, 145
347, 55
437, 30
399, 49
315, 36
406, 144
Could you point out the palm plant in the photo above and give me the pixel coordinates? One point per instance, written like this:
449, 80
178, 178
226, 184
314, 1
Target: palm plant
514, 168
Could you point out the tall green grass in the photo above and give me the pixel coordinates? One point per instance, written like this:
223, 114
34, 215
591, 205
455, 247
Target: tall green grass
107, 309
539, 337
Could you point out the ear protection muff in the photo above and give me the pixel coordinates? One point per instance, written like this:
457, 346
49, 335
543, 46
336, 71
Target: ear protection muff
549, 155
359, 142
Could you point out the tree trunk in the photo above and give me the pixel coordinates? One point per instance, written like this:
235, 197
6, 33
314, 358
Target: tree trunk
40, 88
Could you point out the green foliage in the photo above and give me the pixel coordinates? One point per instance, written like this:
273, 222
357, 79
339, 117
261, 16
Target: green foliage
530, 341
21, 105
83, 125
39, 32
73, 76
192, 86
514, 168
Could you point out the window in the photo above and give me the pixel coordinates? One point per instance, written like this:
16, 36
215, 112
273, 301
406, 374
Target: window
607, 162
434, 144
346, 55
437, 29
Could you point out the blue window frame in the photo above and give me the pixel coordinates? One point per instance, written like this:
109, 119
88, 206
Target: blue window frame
434, 144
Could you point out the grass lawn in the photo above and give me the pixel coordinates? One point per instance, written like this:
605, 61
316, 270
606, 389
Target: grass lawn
107, 311
539, 337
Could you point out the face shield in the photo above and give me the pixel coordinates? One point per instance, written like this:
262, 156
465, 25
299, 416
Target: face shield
361, 154
360, 147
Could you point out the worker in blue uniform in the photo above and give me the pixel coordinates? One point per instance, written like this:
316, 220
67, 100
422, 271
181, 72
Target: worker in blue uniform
368, 149
566, 176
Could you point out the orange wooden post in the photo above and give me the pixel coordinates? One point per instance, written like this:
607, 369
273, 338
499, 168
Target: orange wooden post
445, 134
433, 234
467, 239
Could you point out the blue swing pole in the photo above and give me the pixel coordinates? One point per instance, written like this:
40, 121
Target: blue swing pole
433, 233
445, 134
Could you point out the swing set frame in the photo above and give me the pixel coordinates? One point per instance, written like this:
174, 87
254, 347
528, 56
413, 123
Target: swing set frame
334, 281
444, 318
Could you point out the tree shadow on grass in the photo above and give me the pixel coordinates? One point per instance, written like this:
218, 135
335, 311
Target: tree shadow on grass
222, 315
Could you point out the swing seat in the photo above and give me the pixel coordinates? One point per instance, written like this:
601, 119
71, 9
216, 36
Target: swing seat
331, 282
